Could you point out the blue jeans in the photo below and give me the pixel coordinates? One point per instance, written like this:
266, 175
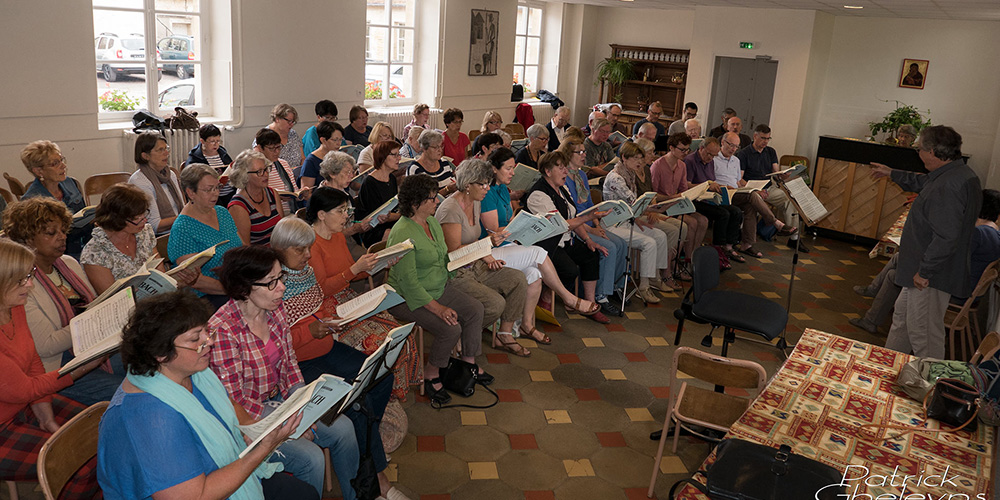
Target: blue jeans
345, 361
304, 458
97, 385
612, 266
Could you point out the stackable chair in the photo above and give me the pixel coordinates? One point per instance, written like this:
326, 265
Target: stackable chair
99, 183
960, 321
67, 449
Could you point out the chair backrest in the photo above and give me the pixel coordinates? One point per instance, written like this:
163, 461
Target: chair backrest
596, 195
717, 370
516, 130
7, 196
473, 134
788, 160
99, 183
989, 276
375, 248
987, 348
15, 185
706, 270
161, 246
68, 449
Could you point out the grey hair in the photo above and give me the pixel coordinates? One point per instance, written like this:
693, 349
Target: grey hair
607, 107
562, 110
430, 138
415, 130
507, 139
292, 232
645, 145
906, 128
537, 130
192, 175
334, 162
647, 127
238, 175
473, 171
941, 141
692, 120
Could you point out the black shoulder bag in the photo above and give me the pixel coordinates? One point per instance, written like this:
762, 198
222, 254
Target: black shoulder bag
460, 377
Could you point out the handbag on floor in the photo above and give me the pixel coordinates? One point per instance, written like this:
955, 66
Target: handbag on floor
749, 471
460, 377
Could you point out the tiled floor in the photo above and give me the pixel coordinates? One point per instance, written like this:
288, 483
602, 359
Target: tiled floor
573, 419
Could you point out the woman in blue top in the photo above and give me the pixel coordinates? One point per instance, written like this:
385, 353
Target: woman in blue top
170, 430
200, 225
45, 161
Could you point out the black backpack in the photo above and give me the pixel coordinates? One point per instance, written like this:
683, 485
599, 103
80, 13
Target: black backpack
143, 120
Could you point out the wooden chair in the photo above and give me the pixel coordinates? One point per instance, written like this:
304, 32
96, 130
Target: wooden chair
788, 160
703, 407
987, 348
596, 195
376, 248
15, 185
7, 196
960, 321
162, 243
68, 449
99, 183
516, 130
473, 134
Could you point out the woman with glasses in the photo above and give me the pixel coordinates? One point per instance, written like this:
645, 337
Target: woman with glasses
211, 152
330, 135
158, 180
253, 358
254, 207
379, 187
422, 278
326, 262
171, 431
502, 290
122, 241
381, 132
456, 144
432, 163
283, 118
669, 174
61, 292
201, 224
280, 175
492, 121
47, 164
538, 143
31, 410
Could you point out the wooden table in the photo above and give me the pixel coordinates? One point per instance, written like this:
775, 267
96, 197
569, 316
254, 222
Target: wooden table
827, 388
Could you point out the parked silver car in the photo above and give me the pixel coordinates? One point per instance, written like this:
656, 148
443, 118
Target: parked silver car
121, 55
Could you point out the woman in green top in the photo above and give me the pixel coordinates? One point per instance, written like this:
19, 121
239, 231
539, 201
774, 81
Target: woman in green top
421, 278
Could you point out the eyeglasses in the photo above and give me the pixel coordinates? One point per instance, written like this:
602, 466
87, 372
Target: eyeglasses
272, 284
213, 142
262, 172
202, 346
56, 163
274, 147
135, 221
483, 185
764, 138
27, 279
727, 143
685, 149
164, 149
580, 152
290, 120
432, 198
348, 211
213, 189
492, 122
395, 154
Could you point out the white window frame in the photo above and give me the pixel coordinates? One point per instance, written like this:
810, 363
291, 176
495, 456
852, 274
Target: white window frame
526, 36
149, 12
391, 49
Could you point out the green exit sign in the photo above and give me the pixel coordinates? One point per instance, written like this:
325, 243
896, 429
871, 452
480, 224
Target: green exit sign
746, 45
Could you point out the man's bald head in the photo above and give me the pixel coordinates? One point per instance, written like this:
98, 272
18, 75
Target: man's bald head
594, 115
735, 124
692, 128
730, 143
647, 131
561, 116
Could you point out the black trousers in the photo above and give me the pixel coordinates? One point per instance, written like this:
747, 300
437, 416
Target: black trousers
282, 486
573, 261
726, 221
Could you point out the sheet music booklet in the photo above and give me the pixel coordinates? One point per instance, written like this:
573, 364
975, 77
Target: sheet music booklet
527, 228
147, 279
386, 207
396, 251
619, 211
524, 177
98, 331
469, 254
367, 304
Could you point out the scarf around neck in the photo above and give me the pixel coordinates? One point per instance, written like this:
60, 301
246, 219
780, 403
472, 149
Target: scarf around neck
63, 306
159, 179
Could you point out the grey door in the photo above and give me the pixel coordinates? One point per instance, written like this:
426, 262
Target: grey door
746, 85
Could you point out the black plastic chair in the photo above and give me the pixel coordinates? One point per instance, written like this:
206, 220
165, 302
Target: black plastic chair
733, 311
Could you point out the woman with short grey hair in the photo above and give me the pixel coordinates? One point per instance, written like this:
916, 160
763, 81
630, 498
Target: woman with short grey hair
255, 206
337, 170
474, 171
411, 145
538, 143
431, 162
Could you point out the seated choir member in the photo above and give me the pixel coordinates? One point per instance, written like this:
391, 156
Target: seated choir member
280, 176
329, 135
379, 187
381, 132
538, 143
492, 121
456, 144
669, 176
432, 163
283, 120
211, 152
45, 162
255, 207
154, 176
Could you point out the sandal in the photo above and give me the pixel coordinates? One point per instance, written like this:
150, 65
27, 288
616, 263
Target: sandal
736, 257
576, 308
512, 347
545, 340
787, 231
751, 251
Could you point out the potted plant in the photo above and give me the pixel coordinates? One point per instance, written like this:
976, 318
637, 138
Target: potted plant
615, 71
903, 114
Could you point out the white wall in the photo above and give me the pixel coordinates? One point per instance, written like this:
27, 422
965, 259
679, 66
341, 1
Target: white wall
961, 87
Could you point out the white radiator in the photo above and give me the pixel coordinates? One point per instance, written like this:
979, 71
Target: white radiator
180, 142
398, 120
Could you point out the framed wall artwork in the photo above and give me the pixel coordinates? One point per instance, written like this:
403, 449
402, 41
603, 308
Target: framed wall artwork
483, 42
913, 74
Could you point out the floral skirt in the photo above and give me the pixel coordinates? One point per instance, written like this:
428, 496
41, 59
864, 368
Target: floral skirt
368, 335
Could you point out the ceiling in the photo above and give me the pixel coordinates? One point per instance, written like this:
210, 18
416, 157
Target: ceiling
972, 10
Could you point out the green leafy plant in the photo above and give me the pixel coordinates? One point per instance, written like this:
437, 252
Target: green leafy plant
904, 114
117, 100
615, 71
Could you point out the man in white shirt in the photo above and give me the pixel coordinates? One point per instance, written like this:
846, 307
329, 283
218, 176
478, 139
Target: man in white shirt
729, 174
557, 127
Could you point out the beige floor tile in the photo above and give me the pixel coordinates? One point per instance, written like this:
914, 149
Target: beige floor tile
635, 315
807, 261
574, 316
557, 417
657, 341
770, 295
821, 248
593, 342
835, 277
765, 261
473, 418
526, 342
744, 276
847, 262
483, 470
671, 464
540, 376
639, 414
802, 316
852, 315
579, 468
819, 295
614, 374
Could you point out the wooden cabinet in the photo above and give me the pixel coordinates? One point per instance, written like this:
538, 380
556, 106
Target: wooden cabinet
659, 75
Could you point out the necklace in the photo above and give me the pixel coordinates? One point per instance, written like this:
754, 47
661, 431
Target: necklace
262, 196
127, 243
8, 330
56, 275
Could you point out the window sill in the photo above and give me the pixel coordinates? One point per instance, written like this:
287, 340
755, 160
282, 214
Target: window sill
116, 124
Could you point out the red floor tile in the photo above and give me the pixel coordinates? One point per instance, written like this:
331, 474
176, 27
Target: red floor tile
565, 358
430, 443
811, 305
637, 494
636, 357
660, 392
781, 285
539, 495
509, 395
547, 328
588, 395
755, 268
611, 439
766, 356
436, 496
829, 286
523, 442
498, 358
615, 327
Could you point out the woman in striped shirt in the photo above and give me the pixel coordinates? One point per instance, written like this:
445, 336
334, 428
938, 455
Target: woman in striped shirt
254, 207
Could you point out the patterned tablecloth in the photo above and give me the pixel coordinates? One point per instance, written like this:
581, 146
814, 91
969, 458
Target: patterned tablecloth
889, 243
831, 385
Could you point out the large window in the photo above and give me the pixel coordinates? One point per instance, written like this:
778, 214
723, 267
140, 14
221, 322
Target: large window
134, 39
527, 46
389, 49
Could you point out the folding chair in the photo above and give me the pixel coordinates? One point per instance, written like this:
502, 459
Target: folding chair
960, 321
